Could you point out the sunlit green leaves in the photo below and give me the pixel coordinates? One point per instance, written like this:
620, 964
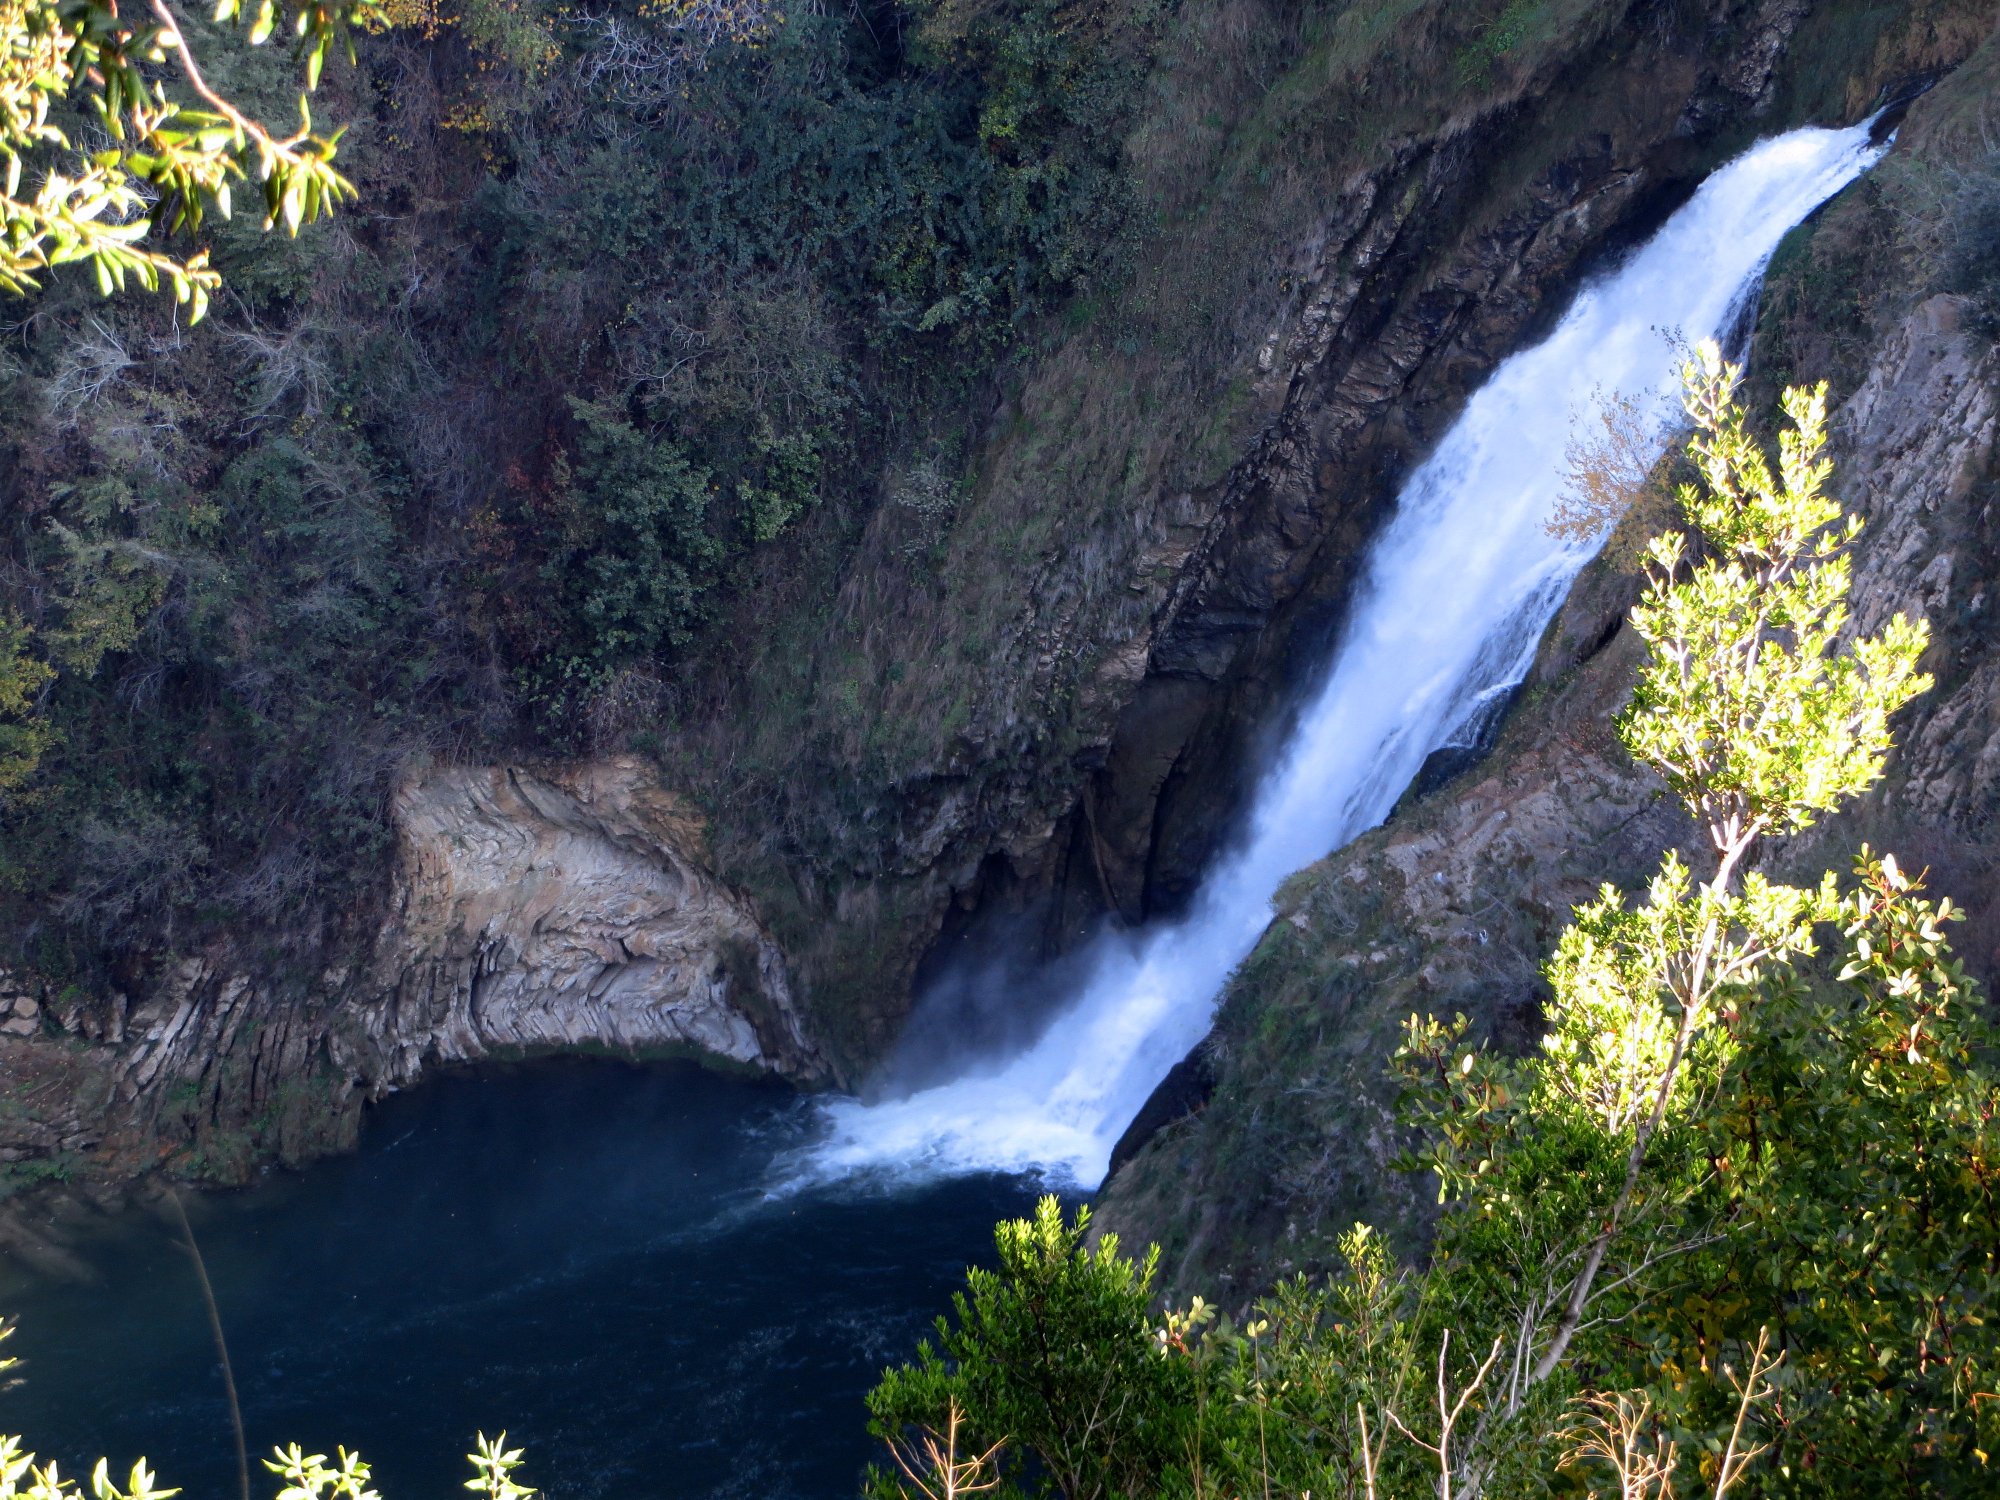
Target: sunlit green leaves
168, 163
493, 1465
306, 1476
21, 1478
1748, 705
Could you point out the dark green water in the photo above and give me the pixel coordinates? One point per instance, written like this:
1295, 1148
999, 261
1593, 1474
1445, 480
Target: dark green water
582, 1253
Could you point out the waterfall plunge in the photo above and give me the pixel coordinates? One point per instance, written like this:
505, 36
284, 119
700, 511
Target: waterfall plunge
1457, 589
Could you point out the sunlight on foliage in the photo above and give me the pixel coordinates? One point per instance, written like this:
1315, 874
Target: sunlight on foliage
306, 1476
99, 156
1746, 705
493, 1464
310, 1477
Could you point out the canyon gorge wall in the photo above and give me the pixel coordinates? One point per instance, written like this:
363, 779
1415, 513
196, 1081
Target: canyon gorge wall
1037, 707
1282, 1130
531, 913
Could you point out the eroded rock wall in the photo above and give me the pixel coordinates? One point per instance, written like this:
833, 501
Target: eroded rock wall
534, 910
566, 908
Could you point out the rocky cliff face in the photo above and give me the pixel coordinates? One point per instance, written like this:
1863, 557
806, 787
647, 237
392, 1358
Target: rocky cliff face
533, 911
1454, 902
543, 912
1044, 711
1919, 436
1057, 727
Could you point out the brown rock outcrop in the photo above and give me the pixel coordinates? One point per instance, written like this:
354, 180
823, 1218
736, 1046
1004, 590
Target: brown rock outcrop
566, 908
533, 911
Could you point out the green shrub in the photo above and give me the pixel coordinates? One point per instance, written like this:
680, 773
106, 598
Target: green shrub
636, 553
1053, 1354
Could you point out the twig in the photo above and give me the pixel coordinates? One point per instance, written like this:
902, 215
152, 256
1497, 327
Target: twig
1733, 1462
1449, 1411
191, 70
221, 1344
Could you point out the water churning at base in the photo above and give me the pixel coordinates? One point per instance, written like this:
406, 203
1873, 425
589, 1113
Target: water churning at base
1452, 601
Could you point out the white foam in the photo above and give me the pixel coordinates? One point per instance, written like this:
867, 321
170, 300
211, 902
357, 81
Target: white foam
1457, 589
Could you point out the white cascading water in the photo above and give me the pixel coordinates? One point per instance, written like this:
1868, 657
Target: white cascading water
1457, 589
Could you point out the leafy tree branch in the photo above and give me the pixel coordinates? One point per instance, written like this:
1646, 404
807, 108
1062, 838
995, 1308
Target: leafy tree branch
101, 161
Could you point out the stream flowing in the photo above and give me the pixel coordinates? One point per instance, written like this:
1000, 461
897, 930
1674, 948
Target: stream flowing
1456, 591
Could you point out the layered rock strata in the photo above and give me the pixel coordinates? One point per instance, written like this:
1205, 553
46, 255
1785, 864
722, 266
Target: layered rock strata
559, 909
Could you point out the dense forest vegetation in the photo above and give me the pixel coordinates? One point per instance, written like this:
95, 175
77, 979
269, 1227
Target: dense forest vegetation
726, 256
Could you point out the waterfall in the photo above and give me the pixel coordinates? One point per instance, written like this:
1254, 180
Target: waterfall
1452, 600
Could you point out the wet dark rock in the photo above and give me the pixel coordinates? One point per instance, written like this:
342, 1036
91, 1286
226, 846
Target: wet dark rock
1186, 1089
